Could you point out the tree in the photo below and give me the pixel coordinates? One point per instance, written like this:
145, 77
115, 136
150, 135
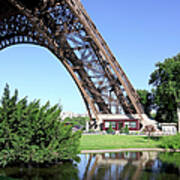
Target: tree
34, 134
146, 99
149, 129
78, 121
166, 82
110, 129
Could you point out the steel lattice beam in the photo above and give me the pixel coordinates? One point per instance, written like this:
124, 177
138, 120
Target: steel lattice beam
64, 27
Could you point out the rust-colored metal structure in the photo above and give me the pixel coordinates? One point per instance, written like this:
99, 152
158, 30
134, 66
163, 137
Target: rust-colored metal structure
64, 27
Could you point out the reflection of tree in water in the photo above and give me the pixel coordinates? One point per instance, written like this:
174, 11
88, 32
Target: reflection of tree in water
66, 171
166, 166
170, 158
150, 175
7, 178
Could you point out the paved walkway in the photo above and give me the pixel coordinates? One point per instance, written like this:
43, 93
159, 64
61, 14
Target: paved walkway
130, 149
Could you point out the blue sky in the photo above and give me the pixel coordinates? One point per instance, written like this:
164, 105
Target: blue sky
140, 33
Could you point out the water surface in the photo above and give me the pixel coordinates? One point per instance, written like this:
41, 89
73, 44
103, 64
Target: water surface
107, 166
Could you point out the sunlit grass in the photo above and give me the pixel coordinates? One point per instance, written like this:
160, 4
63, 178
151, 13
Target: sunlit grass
97, 142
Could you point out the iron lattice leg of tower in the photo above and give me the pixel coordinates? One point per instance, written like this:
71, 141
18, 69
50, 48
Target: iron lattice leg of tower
64, 27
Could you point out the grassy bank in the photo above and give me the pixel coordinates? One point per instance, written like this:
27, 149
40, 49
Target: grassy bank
99, 142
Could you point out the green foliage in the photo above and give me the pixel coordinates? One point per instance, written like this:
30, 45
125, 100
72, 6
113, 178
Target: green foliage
77, 121
91, 131
33, 134
171, 142
110, 129
147, 100
170, 158
125, 130
166, 82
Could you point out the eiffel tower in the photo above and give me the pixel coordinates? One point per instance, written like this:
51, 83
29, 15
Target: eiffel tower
64, 27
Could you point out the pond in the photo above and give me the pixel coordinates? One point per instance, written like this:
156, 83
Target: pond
107, 166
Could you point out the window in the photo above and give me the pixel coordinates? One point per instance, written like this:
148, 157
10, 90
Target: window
127, 124
120, 125
107, 124
113, 124
132, 124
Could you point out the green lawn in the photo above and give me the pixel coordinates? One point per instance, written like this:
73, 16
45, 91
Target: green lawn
100, 142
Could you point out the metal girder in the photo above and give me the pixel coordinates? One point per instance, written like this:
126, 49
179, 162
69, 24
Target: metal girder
64, 27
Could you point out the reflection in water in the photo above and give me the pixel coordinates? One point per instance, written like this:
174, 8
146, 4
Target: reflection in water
67, 171
127, 165
107, 166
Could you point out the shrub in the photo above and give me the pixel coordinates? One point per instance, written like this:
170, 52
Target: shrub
34, 134
125, 130
91, 131
171, 142
110, 129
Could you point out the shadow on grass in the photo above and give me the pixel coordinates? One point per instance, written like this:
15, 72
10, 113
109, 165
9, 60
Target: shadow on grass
151, 138
154, 138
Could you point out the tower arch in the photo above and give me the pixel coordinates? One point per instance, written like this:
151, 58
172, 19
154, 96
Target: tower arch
37, 73
64, 27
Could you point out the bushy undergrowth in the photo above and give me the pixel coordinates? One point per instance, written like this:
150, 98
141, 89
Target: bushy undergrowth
171, 142
34, 134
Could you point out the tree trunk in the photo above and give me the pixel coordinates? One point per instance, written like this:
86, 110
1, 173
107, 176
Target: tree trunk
178, 115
